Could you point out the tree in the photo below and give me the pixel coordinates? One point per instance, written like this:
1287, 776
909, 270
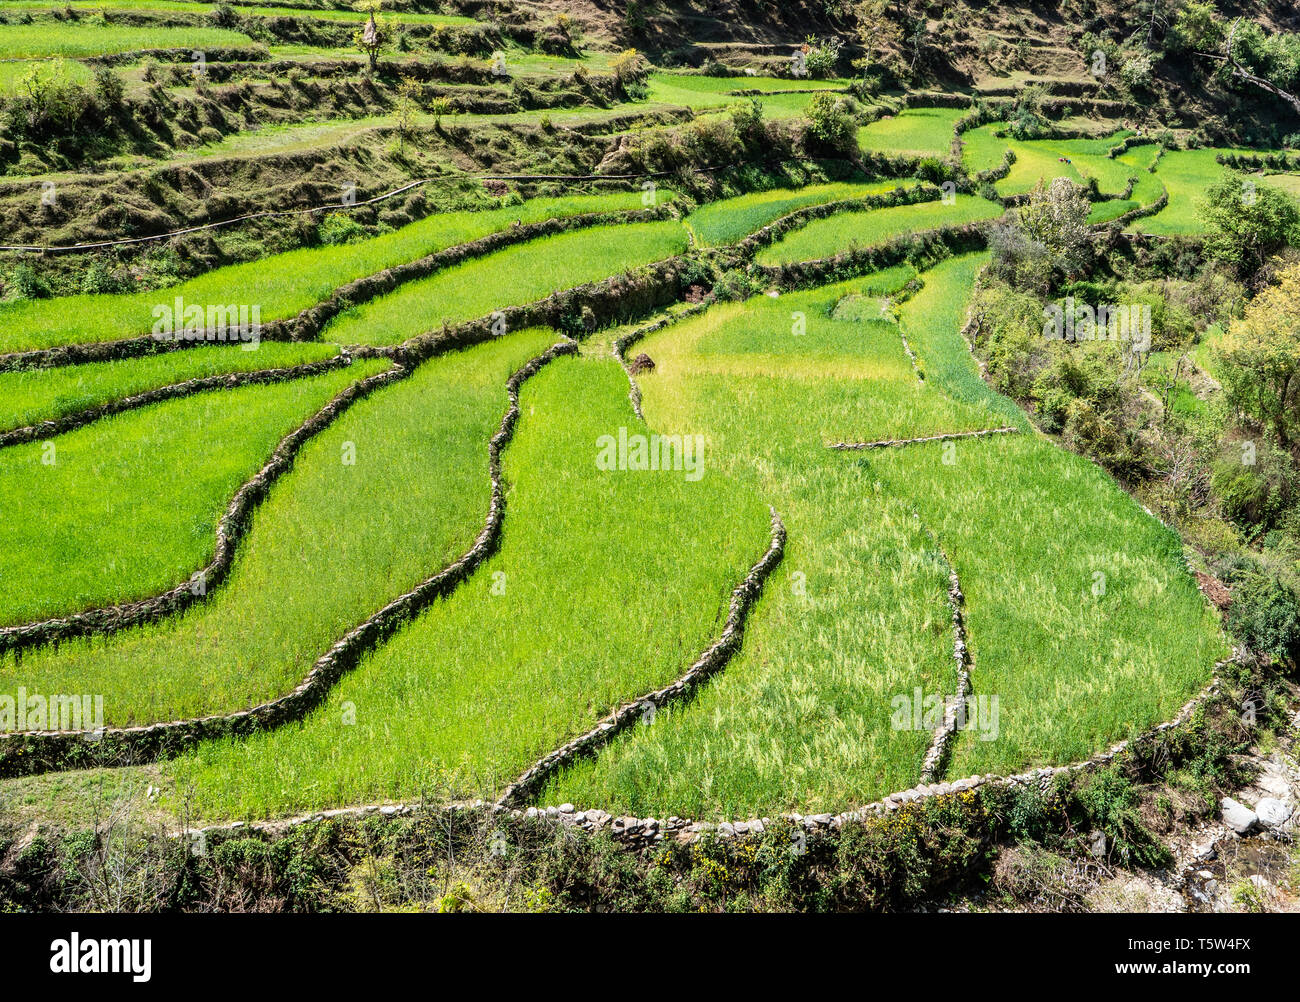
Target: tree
1248, 222
1056, 218
405, 110
375, 35
876, 32
831, 125
1260, 359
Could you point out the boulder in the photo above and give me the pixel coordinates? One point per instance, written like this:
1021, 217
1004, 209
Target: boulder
1238, 817
1273, 813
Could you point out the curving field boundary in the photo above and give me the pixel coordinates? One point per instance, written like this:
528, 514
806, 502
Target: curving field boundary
636, 291
620, 347
893, 443
25, 753
710, 663
230, 530
939, 242
223, 381
311, 321
800, 218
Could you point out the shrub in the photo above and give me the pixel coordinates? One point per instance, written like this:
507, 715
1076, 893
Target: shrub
831, 127
1265, 612
340, 228
1109, 803
109, 89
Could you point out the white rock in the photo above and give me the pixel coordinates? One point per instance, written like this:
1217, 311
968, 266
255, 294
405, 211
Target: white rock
1273, 813
1238, 817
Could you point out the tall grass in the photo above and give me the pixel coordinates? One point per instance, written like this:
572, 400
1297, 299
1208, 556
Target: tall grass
732, 219
282, 285
801, 720
31, 396
331, 545
607, 584
74, 40
128, 506
1083, 619
510, 277
857, 612
836, 234
915, 130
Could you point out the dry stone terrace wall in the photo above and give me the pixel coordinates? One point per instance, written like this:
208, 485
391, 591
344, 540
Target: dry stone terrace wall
891, 443
644, 833
710, 663
578, 311
936, 758
800, 218
43, 751
939, 243
308, 324
225, 381
620, 347
230, 530
636, 292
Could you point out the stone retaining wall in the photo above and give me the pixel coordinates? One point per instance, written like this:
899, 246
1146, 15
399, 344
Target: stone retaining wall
800, 218
308, 324
944, 241
621, 345
224, 381
234, 523
936, 758
25, 753
710, 663
891, 443
1143, 210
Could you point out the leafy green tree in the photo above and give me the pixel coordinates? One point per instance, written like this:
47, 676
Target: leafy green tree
831, 124
1248, 222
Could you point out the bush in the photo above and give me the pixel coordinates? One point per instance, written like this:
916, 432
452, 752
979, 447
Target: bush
831, 126
25, 282
109, 89
340, 228
1109, 803
1265, 612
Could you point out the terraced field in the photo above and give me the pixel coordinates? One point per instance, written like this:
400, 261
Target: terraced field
432, 549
